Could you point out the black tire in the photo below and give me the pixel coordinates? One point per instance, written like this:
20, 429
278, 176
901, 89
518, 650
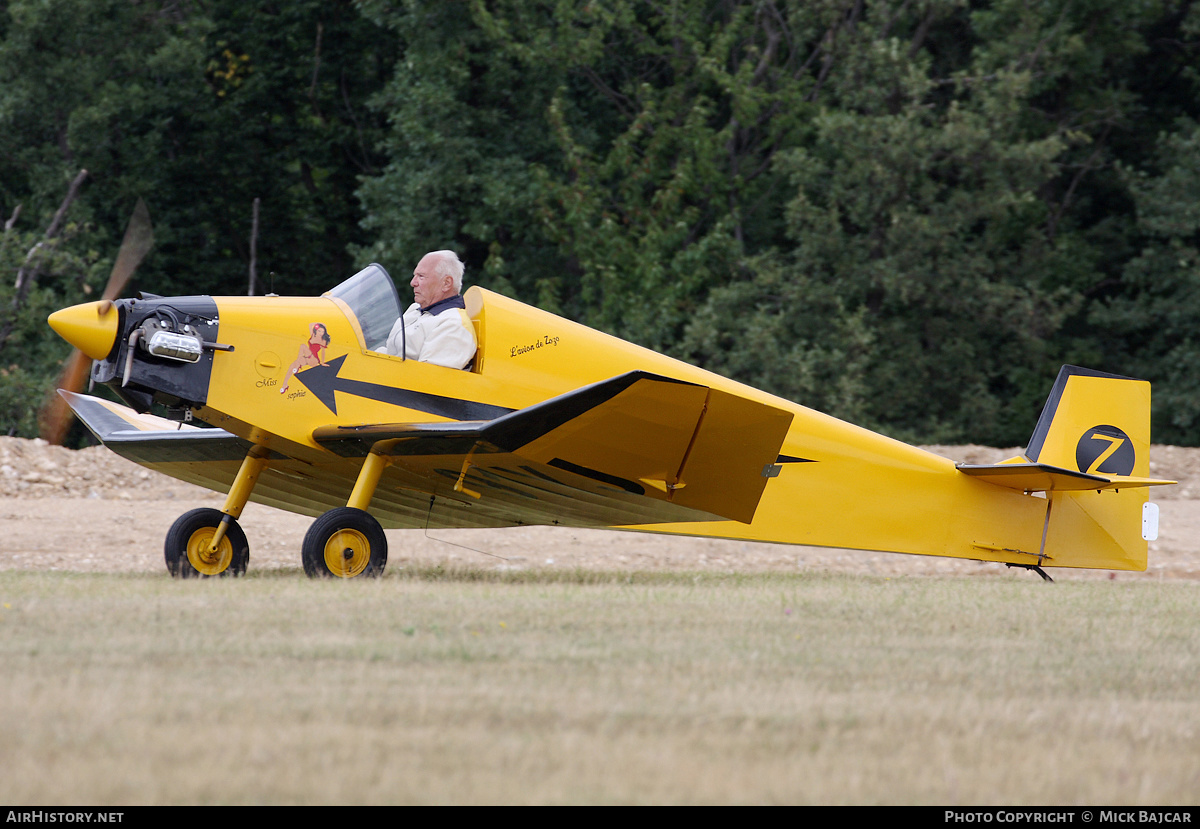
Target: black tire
344, 543
188, 540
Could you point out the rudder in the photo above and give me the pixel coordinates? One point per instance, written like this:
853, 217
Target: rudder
1096, 423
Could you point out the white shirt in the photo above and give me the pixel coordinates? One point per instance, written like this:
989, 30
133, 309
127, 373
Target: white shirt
441, 334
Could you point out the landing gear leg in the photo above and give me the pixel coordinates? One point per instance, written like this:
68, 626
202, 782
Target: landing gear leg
209, 542
347, 542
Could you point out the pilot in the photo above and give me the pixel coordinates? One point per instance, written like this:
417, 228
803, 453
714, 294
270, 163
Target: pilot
435, 329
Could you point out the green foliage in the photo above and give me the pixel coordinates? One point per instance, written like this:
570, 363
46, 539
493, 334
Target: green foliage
917, 203
275, 109
30, 361
946, 206
1152, 323
900, 214
905, 214
788, 333
466, 122
200, 109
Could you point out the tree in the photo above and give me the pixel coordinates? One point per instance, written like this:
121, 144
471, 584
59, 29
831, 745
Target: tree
899, 212
200, 108
45, 268
1150, 327
466, 125
945, 200
275, 109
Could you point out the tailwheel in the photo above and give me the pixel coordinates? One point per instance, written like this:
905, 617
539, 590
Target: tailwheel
188, 549
346, 543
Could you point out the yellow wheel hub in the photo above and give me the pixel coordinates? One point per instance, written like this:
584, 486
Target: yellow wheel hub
347, 553
203, 558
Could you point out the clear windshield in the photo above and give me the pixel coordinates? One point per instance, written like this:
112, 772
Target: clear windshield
372, 297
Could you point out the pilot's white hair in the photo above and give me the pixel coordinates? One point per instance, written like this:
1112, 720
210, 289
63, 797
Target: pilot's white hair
448, 264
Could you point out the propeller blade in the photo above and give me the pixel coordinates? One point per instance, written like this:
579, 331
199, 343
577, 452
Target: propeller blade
54, 420
139, 238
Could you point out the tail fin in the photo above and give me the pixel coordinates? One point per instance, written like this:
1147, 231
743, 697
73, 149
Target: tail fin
1099, 425
1096, 423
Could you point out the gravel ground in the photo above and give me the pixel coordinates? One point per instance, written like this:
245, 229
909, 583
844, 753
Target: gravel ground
59, 514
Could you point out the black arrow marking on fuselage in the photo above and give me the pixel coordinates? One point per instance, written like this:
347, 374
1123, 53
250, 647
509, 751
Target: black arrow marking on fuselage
324, 382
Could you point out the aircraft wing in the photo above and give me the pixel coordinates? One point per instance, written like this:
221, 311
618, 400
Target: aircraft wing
210, 458
638, 448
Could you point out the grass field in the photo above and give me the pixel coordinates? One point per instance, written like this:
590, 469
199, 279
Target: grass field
535, 686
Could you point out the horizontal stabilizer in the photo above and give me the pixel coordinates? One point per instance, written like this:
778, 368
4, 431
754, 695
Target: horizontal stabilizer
1041, 477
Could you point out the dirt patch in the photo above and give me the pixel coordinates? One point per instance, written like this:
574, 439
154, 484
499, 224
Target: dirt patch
58, 514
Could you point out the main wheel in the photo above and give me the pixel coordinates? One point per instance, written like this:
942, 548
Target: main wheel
188, 549
346, 543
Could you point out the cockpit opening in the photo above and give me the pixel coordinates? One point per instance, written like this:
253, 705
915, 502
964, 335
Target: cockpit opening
371, 297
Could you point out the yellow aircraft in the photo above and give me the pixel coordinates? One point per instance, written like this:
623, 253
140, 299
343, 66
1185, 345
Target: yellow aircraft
558, 424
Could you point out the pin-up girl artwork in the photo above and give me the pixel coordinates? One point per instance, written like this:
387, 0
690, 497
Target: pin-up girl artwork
312, 353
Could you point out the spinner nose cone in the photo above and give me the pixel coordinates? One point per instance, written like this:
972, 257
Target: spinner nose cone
91, 327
